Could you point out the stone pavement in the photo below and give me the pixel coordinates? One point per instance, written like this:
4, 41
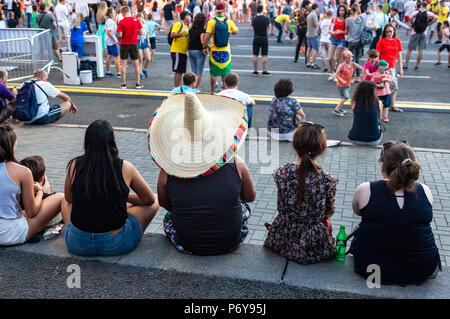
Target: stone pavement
352, 165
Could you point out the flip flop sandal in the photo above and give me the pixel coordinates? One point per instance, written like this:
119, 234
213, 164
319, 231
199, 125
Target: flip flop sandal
396, 109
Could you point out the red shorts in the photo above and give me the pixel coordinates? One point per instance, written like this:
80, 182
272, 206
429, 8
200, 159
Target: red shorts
406, 19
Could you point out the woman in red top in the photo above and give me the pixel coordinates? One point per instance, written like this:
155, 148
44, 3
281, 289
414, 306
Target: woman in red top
389, 48
338, 30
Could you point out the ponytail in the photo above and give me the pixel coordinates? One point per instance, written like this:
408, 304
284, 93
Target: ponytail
307, 165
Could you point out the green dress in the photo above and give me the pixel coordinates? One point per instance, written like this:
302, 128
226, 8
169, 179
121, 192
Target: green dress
101, 34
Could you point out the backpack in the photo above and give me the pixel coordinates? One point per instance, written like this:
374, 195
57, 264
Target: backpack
221, 33
366, 34
26, 102
169, 38
420, 22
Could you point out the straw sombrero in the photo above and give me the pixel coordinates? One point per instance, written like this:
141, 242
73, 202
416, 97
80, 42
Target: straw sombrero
192, 135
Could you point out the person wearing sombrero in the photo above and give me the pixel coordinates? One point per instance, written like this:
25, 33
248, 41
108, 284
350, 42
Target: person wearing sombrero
219, 29
203, 184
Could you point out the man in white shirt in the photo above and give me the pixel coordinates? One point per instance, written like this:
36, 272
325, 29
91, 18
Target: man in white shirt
62, 17
381, 19
410, 6
48, 114
231, 83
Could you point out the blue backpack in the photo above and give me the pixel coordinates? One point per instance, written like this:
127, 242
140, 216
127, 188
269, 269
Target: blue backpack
221, 33
26, 102
367, 34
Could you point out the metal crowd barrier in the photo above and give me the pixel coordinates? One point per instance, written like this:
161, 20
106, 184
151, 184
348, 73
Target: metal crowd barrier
22, 51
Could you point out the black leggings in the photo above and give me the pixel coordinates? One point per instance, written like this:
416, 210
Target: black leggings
301, 35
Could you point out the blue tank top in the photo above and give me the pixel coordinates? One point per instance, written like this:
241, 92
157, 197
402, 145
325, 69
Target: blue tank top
400, 241
9, 196
365, 124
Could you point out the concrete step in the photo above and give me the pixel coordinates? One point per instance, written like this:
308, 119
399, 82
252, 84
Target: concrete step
252, 264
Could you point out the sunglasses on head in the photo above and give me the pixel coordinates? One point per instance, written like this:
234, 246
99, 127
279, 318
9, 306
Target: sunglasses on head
309, 123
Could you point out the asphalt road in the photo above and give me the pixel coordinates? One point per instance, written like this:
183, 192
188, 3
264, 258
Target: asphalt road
420, 129
428, 84
46, 277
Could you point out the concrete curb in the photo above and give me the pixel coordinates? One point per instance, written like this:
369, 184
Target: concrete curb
255, 264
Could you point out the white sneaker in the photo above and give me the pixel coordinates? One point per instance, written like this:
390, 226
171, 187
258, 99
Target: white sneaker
331, 77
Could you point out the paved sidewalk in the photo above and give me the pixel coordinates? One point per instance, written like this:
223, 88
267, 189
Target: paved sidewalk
352, 165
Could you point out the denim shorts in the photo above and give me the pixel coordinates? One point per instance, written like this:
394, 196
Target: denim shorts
386, 100
104, 244
197, 59
312, 42
337, 42
142, 44
344, 92
113, 50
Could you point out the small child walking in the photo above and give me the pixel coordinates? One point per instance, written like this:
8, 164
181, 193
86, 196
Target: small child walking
344, 75
445, 43
152, 27
382, 79
370, 67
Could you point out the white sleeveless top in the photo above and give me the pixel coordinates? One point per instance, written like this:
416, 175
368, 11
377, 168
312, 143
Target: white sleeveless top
9, 196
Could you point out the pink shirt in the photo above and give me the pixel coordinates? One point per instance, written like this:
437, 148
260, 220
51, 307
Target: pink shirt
371, 69
386, 90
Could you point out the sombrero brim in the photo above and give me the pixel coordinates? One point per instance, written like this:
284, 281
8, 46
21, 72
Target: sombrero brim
177, 155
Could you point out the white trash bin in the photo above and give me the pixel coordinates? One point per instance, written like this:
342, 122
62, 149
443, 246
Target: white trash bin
86, 76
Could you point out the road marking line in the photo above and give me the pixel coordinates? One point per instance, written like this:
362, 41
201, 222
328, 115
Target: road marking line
256, 97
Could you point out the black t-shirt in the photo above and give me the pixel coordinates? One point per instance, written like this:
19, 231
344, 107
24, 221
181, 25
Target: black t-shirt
168, 8
252, 7
206, 211
195, 42
260, 25
12, 23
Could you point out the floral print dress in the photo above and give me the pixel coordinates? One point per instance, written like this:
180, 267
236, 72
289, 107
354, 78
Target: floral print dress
299, 234
282, 114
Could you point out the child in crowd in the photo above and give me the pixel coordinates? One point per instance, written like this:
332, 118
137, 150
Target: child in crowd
231, 83
382, 78
143, 42
34, 16
344, 75
370, 67
325, 38
79, 28
112, 43
445, 43
152, 27
189, 83
12, 22
37, 167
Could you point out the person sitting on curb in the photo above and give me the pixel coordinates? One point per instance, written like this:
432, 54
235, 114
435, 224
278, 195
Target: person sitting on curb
396, 212
105, 219
6, 97
302, 230
231, 84
199, 135
47, 114
17, 226
189, 81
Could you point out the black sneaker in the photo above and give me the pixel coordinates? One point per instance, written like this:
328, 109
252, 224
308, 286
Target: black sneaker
256, 73
139, 86
266, 73
437, 63
405, 67
325, 70
123, 86
437, 42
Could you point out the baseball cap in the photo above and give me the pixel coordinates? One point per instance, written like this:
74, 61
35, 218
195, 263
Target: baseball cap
221, 6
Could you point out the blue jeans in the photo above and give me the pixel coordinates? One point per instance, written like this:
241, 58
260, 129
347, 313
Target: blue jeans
104, 244
280, 30
197, 60
29, 20
250, 114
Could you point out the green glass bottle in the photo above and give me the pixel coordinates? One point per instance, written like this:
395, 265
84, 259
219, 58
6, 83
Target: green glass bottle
341, 244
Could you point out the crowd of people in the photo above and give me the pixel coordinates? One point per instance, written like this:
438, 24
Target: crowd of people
103, 217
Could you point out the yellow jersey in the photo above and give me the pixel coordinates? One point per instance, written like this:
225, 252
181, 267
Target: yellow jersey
210, 29
443, 12
180, 45
281, 18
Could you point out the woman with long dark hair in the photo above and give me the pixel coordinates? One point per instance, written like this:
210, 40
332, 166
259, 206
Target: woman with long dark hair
367, 112
18, 224
395, 231
105, 219
338, 30
305, 202
197, 54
